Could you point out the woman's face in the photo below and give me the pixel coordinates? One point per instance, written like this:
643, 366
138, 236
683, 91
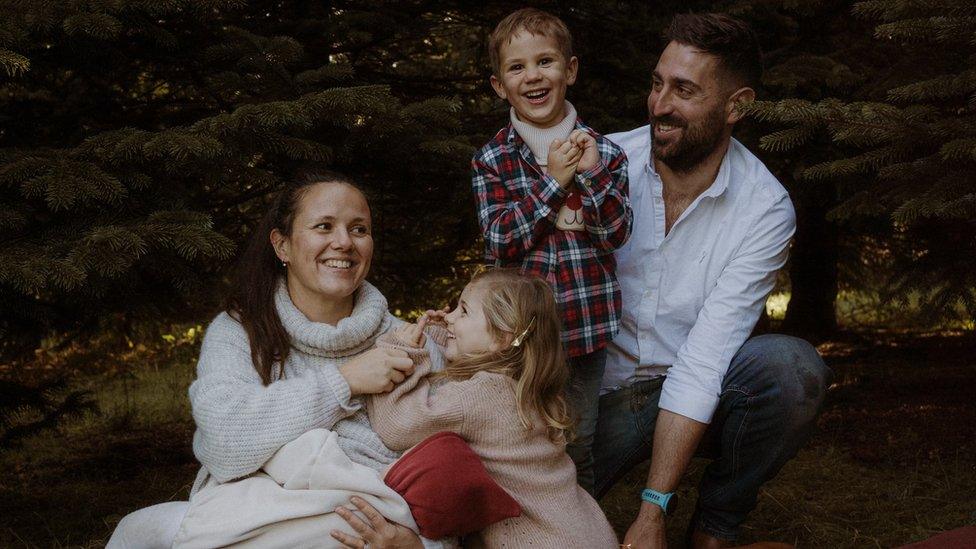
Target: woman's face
330, 247
468, 327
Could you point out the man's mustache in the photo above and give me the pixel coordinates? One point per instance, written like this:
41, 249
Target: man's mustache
670, 120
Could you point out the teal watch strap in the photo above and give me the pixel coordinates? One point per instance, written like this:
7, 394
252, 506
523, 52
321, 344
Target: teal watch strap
658, 498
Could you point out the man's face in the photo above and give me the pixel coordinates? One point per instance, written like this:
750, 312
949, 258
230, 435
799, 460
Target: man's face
687, 107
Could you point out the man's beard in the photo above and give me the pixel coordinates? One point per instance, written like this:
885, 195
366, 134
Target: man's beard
698, 140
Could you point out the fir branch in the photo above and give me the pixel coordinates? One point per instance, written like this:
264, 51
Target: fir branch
14, 64
784, 140
943, 87
101, 26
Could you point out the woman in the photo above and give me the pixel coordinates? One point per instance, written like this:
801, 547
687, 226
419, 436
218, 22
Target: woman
291, 354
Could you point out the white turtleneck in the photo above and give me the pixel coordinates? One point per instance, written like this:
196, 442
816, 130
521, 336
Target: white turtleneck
538, 140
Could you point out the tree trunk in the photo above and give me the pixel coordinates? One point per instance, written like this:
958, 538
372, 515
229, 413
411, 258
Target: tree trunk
813, 266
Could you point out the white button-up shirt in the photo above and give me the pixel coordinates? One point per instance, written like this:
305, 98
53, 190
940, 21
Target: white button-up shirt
691, 297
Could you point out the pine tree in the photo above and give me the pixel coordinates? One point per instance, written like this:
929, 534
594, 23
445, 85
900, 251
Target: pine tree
904, 151
140, 140
26, 411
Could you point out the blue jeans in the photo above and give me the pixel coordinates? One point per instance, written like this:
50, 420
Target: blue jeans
586, 374
768, 406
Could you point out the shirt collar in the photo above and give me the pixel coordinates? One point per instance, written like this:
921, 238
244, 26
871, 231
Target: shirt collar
721, 183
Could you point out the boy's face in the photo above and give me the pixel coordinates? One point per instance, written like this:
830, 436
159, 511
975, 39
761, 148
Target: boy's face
533, 78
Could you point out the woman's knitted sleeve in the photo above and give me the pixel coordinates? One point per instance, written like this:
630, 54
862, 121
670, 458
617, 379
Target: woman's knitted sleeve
412, 411
240, 422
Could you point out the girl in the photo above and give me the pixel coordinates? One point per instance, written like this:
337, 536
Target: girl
502, 391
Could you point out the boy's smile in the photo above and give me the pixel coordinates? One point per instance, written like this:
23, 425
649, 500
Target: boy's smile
534, 76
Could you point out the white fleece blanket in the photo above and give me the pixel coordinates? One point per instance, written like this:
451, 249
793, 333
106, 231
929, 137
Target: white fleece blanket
289, 502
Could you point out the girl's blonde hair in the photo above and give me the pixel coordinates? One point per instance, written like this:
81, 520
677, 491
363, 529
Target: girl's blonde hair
522, 313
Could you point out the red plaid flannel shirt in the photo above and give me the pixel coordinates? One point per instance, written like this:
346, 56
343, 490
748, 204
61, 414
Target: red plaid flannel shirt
517, 209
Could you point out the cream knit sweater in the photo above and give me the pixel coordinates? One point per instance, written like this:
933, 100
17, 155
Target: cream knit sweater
242, 423
537, 472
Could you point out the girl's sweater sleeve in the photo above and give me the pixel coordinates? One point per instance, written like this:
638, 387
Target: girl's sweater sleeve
414, 410
240, 422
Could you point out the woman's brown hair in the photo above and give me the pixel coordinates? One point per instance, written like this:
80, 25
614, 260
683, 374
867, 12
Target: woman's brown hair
252, 297
522, 314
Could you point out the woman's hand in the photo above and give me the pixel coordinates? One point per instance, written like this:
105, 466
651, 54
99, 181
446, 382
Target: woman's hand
376, 371
413, 334
379, 533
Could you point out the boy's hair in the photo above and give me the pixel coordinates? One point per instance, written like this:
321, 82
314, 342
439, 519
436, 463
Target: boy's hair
731, 40
533, 21
522, 308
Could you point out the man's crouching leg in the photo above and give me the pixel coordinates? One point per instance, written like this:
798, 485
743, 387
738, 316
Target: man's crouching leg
770, 400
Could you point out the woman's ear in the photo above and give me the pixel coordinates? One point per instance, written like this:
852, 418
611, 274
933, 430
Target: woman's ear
739, 98
280, 244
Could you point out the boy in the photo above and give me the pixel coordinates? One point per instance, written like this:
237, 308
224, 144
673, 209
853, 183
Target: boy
552, 200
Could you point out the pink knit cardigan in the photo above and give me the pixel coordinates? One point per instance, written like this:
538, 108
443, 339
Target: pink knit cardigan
537, 472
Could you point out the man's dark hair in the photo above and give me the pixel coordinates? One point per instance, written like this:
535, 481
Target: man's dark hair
731, 40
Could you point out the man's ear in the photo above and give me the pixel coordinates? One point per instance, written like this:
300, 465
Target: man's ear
280, 244
496, 85
738, 98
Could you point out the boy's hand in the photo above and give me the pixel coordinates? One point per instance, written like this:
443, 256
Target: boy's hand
413, 334
563, 157
587, 145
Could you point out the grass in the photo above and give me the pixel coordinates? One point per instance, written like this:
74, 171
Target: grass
894, 460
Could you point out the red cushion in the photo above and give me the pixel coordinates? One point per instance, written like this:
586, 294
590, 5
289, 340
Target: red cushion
960, 538
448, 489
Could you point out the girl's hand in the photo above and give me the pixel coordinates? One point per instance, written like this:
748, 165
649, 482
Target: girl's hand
376, 371
413, 334
436, 318
379, 533
587, 144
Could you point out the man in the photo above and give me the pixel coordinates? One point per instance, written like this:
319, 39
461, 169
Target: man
711, 228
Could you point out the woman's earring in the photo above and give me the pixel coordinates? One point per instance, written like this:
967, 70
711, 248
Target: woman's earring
284, 263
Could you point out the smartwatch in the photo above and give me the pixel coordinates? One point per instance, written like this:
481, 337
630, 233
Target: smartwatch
665, 501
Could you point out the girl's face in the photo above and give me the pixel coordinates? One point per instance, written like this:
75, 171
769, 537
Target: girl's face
468, 326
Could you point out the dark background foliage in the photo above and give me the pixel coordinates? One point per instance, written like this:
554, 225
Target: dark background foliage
140, 140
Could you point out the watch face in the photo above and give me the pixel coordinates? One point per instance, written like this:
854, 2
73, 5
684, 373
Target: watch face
669, 507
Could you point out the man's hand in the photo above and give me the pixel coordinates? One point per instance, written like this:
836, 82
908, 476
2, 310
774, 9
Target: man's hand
648, 530
675, 440
413, 334
563, 158
590, 155
376, 371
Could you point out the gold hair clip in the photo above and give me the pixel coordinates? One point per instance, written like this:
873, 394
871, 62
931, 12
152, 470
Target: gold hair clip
521, 337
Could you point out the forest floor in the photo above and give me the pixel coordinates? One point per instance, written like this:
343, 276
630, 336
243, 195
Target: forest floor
893, 460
